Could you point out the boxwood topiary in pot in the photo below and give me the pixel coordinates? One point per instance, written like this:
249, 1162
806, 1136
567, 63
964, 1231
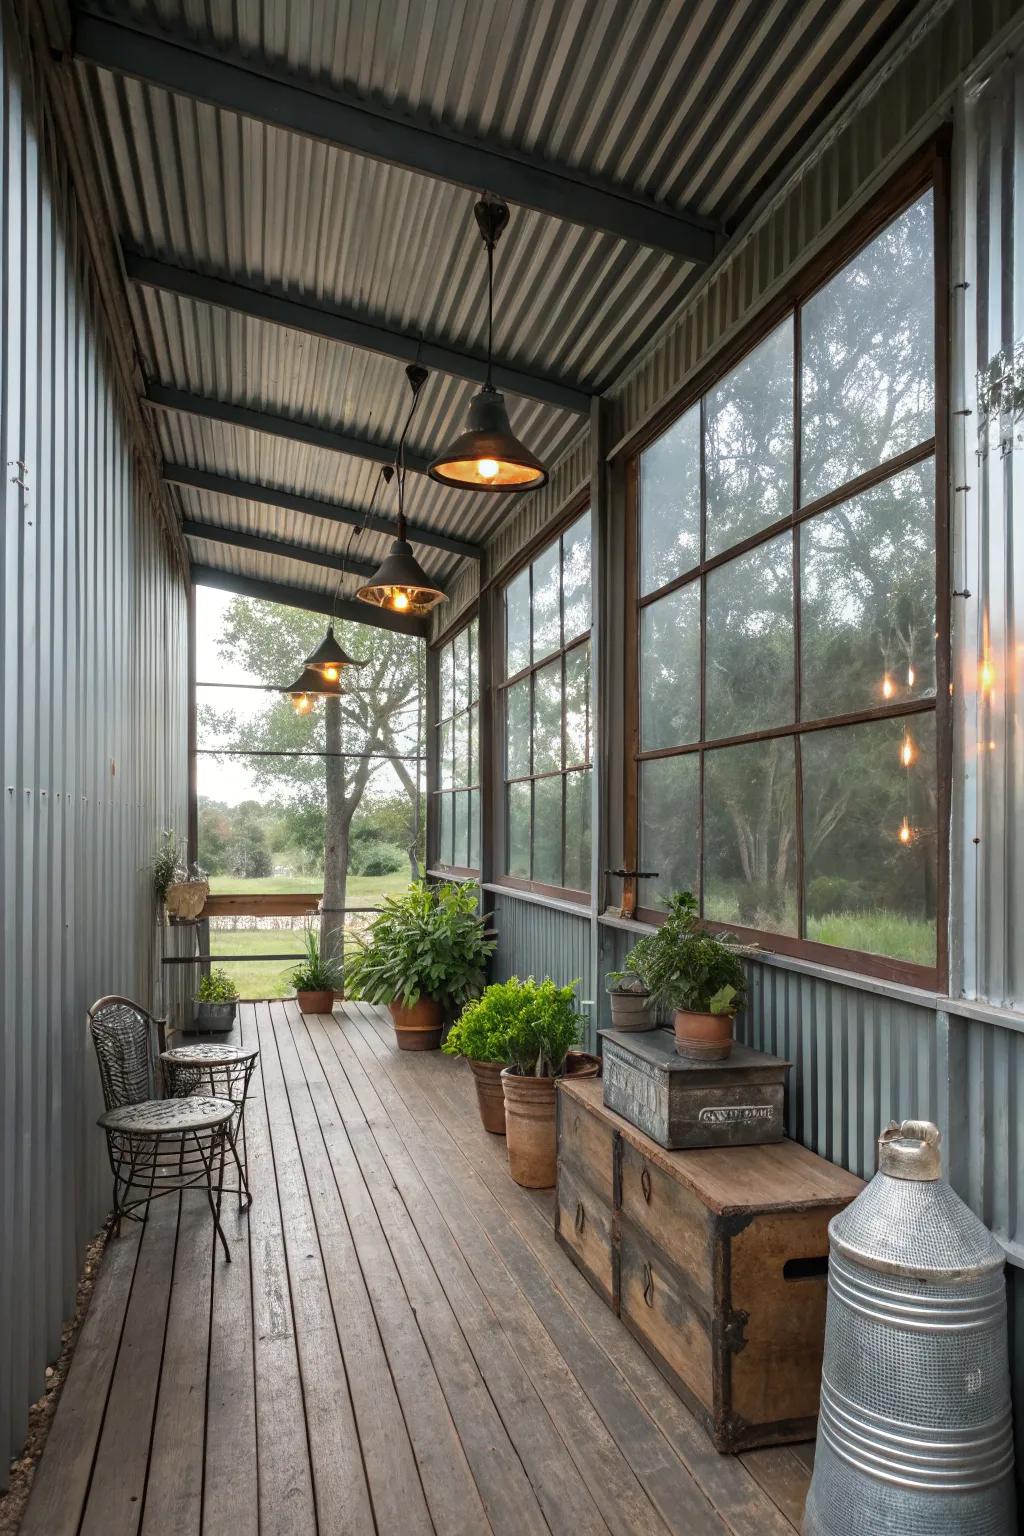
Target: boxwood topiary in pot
480, 1034
424, 954
699, 975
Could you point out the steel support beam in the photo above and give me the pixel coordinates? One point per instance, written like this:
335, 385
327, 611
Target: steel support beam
350, 328
335, 512
312, 602
372, 130
164, 398
238, 538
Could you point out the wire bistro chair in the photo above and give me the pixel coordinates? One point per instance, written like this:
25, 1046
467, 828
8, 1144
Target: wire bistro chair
156, 1146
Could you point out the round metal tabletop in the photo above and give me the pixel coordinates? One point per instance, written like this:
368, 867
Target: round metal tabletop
208, 1055
168, 1117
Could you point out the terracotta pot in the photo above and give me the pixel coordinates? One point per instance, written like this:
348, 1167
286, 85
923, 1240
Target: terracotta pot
490, 1096
530, 1129
418, 1028
632, 1010
703, 1036
315, 1002
581, 1064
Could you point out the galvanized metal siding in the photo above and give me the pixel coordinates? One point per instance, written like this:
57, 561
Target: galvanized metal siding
540, 941
92, 716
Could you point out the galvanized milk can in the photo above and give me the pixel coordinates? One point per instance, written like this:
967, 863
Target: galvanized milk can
914, 1432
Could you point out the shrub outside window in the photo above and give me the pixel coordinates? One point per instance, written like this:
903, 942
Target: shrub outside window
544, 704
788, 661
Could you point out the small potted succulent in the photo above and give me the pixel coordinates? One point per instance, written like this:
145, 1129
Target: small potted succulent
424, 956
540, 1024
630, 997
699, 975
216, 1001
181, 890
316, 978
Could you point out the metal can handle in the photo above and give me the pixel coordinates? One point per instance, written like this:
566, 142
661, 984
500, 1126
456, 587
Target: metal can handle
645, 1183
581, 1217
648, 1285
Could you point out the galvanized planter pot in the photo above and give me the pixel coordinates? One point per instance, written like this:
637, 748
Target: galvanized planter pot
215, 1018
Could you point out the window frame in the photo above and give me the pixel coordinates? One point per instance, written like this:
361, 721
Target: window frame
929, 169
436, 790
580, 503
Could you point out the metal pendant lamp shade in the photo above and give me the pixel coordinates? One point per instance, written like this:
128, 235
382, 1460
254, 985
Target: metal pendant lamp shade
329, 659
308, 687
488, 456
914, 1433
401, 583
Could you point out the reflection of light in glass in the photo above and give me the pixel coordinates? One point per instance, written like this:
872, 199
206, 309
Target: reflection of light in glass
907, 753
302, 703
888, 687
910, 675
906, 835
986, 676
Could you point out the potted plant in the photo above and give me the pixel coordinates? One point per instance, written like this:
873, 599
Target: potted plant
181, 890
317, 978
632, 1004
425, 953
480, 1034
216, 1001
539, 1025
699, 975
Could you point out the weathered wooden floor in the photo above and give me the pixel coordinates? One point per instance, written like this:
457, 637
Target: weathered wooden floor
399, 1346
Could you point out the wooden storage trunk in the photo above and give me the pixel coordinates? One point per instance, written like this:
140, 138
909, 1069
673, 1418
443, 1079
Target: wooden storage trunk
716, 1261
685, 1103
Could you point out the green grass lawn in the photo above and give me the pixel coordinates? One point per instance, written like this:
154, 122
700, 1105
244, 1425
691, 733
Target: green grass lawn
359, 890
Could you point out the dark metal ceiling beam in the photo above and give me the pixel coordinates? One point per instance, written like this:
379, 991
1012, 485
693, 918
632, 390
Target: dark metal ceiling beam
167, 399
335, 512
385, 134
350, 328
239, 538
312, 602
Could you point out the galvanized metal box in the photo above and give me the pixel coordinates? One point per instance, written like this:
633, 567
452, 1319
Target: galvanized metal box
681, 1103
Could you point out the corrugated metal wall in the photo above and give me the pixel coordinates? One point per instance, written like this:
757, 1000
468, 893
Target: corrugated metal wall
93, 718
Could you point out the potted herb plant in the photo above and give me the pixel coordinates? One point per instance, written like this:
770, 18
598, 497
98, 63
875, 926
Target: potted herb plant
216, 1001
480, 1034
424, 955
181, 890
316, 978
699, 975
630, 996
539, 1024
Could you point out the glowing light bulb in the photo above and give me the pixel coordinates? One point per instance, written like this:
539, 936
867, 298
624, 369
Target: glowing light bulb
331, 674
907, 752
302, 703
905, 832
399, 599
910, 676
888, 687
487, 469
986, 676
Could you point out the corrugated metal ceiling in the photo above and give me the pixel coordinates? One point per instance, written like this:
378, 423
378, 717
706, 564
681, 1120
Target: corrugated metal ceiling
695, 104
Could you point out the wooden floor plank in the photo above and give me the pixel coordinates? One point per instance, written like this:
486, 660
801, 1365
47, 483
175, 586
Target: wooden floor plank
339, 1482
440, 1092
62, 1479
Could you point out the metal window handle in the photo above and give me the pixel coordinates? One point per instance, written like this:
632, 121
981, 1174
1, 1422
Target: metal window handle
581, 1217
645, 1183
648, 1285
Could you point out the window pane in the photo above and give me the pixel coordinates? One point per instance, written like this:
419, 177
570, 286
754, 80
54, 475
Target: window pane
576, 579
474, 829
748, 443
517, 730
870, 849
547, 602
669, 816
244, 718
445, 682
749, 648
517, 861
750, 835
474, 745
517, 624
867, 598
474, 678
444, 750
461, 830
547, 831
461, 648
670, 669
577, 831
670, 503
444, 841
577, 705
547, 718
868, 366
460, 731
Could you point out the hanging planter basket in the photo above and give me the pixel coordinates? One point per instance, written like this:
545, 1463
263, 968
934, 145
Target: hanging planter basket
185, 899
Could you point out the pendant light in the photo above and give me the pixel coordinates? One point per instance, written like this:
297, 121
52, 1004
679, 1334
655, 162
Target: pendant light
488, 456
400, 583
310, 686
329, 660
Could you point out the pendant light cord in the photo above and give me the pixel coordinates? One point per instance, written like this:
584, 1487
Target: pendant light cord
490, 307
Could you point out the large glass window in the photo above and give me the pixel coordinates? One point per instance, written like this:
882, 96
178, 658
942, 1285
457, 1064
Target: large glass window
457, 796
786, 626
545, 708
